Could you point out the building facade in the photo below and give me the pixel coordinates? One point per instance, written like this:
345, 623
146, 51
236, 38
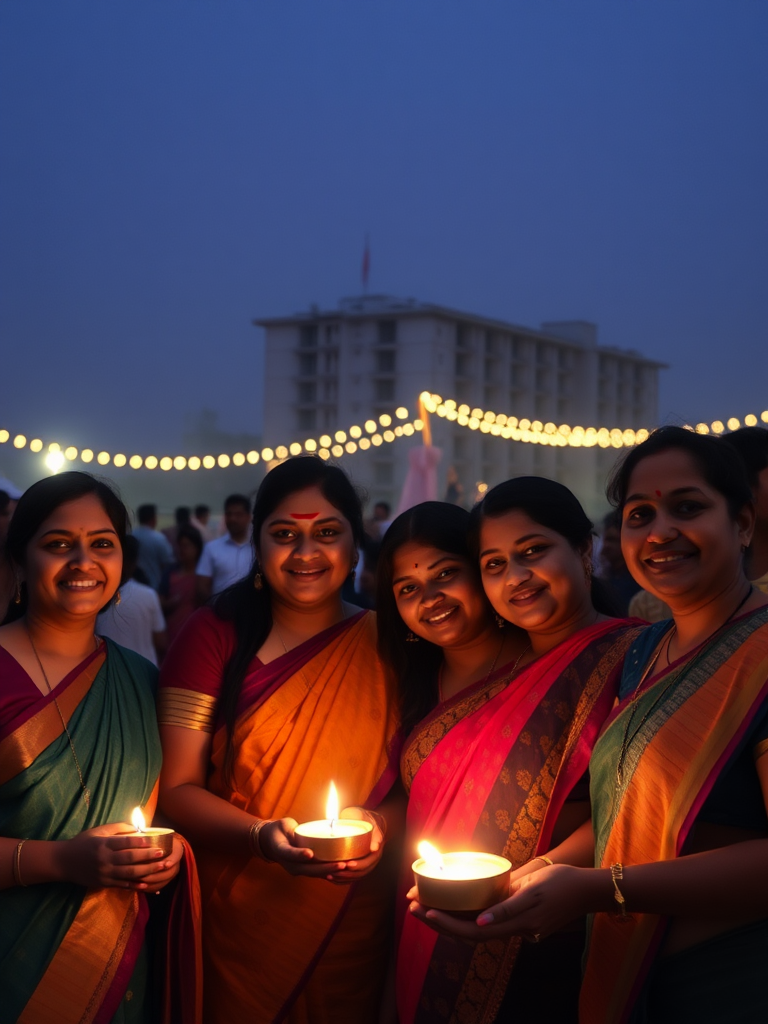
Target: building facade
328, 370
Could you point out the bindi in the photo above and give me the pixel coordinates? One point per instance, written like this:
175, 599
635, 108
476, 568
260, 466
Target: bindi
415, 565
658, 494
304, 515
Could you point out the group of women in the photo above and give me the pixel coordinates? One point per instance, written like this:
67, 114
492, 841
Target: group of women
493, 702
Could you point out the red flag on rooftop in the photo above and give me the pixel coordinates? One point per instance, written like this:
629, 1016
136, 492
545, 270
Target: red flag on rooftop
366, 264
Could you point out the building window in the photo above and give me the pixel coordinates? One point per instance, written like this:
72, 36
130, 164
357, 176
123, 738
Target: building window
518, 377
541, 355
541, 380
488, 369
385, 362
463, 339
308, 364
307, 419
307, 392
463, 365
387, 332
519, 350
329, 391
331, 362
308, 336
490, 344
384, 390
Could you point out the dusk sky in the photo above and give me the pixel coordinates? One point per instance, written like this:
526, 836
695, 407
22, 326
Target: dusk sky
171, 170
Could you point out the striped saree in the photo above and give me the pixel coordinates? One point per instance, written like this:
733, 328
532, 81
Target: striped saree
490, 770
689, 722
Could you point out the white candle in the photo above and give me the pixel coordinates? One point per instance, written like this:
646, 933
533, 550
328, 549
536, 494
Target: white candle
335, 838
462, 881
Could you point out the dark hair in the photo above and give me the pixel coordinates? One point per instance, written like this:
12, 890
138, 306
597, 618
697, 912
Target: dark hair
182, 514
189, 532
238, 499
717, 462
549, 504
250, 609
201, 510
130, 554
752, 445
42, 499
146, 514
415, 667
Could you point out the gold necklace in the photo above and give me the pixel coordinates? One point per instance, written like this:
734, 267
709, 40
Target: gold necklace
86, 791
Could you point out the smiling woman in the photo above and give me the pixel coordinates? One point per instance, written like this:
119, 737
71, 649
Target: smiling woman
79, 750
266, 698
503, 722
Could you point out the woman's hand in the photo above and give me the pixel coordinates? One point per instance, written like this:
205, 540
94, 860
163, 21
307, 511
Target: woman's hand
539, 903
114, 856
167, 870
276, 841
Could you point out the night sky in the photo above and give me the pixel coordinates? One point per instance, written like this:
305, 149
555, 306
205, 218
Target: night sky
171, 170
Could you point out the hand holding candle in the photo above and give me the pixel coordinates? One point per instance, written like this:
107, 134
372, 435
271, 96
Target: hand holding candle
334, 838
161, 838
460, 882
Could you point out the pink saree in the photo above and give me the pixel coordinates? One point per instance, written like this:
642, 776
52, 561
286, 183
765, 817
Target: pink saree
491, 770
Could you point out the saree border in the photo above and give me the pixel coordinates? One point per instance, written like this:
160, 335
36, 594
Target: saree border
20, 748
83, 968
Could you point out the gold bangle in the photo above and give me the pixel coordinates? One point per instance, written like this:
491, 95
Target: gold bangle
17, 865
617, 875
547, 860
254, 842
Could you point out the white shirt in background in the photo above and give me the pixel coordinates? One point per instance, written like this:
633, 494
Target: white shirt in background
225, 562
132, 622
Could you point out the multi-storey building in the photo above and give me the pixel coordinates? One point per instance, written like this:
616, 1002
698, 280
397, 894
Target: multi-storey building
328, 370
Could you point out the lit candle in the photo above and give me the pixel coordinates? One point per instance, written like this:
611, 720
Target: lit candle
162, 838
335, 838
460, 881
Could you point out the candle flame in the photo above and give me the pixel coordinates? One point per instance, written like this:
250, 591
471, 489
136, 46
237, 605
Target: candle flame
137, 819
332, 807
431, 855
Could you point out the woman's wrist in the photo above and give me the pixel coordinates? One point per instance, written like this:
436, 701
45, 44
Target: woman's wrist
255, 839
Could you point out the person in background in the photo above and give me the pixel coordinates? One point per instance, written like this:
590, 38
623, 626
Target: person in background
646, 606
135, 620
201, 521
7, 585
227, 559
178, 589
613, 569
752, 444
377, 525
155, 551
181, 515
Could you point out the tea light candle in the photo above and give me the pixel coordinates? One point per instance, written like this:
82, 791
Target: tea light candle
162, 838
334, 838
460, 881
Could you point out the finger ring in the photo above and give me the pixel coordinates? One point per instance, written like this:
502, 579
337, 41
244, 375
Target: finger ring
535, 936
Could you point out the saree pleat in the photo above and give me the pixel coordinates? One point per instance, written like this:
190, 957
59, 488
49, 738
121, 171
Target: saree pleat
491, 771
65, 951
692, 722
274, 943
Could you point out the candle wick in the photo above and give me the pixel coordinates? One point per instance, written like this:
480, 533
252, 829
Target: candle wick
333, 824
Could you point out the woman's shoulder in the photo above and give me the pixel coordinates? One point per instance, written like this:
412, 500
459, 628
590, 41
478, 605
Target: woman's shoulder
637, 656
136, 666
199, 654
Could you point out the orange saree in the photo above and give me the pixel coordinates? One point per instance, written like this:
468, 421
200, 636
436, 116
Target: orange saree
279, 947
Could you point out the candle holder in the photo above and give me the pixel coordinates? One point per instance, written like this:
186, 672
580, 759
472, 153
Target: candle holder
339, 839
463, 882
162, 838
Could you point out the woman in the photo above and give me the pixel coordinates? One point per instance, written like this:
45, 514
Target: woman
79, 751
496, 766
679, 837
268, 697
177, 590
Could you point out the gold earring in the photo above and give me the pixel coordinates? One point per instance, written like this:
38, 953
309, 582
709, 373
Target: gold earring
258, 581
500, 622
588, 574
411, 638
17, 595
118, 598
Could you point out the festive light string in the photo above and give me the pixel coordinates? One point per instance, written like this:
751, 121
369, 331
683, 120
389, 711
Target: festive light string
372, 434
536, 432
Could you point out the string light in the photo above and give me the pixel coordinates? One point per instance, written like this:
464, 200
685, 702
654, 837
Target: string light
536, 432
